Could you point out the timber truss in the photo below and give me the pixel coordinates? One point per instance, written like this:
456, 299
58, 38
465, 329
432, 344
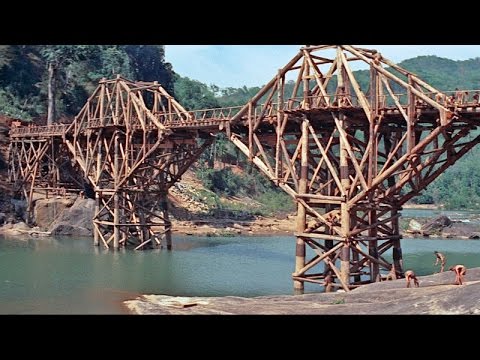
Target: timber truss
42, 165
125, 153
350, 150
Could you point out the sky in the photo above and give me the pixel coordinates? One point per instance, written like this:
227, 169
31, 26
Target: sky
255, 65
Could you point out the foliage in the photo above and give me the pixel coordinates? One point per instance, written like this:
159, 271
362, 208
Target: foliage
12, 106
235, 97
24, 74
225, 181
275, 202
193, 94
459, 186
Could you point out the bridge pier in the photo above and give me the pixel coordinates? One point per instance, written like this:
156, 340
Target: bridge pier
96, 234
350, 154
39, 167
165, 216
301, 211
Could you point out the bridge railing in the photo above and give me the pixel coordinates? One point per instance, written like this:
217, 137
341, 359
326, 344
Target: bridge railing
50, 130
462, 98
446, 98
199, 116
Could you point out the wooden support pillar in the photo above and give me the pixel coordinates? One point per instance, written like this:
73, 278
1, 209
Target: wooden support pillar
98, 194
298, 286
411, 117
116, 196
397, 249
329, 231
143, 232
372, 172
373, 246
168, 224
116, 220
278, 128
30, 208
96, 235
251, 124
355, 258
345, 182
306, 85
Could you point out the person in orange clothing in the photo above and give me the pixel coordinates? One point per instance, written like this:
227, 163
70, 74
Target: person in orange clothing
410, 275
460, 271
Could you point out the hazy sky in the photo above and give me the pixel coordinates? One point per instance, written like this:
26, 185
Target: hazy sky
255, 65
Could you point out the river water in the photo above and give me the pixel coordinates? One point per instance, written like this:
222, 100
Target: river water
71, 276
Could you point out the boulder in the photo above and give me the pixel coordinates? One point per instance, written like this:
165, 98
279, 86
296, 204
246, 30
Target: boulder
436, 225
414, 226
19, 207
66, 229
76, 220
19, 228
47, 210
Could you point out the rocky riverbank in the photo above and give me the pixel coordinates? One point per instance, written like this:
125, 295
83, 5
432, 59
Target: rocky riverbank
436, 296
71, 216
442, 227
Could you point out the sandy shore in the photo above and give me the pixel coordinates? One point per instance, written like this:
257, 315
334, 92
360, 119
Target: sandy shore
230, 227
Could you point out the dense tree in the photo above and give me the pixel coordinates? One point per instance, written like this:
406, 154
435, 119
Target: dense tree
148, 64
65, 75
57, 58
193, 94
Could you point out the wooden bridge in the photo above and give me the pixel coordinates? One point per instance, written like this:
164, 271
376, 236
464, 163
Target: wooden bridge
349, 152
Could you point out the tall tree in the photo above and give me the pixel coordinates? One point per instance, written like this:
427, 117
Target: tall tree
148, 64
57, 57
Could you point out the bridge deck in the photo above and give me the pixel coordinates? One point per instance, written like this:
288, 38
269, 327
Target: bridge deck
210, 119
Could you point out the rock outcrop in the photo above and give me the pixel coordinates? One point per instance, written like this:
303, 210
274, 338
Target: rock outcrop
46, 211
436, 295
75, 220
443, 227
436, 225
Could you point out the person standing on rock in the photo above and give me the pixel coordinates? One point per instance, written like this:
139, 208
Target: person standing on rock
460, 271
442, 259
392, 275
410, 275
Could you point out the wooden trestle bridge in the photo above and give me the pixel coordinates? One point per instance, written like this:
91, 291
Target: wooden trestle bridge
350, 153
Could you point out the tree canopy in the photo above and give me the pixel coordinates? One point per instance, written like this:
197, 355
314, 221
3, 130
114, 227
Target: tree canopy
24, 74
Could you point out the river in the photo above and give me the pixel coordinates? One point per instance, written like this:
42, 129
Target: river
71, 276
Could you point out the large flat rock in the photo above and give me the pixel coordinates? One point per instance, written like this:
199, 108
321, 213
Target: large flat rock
436, 295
